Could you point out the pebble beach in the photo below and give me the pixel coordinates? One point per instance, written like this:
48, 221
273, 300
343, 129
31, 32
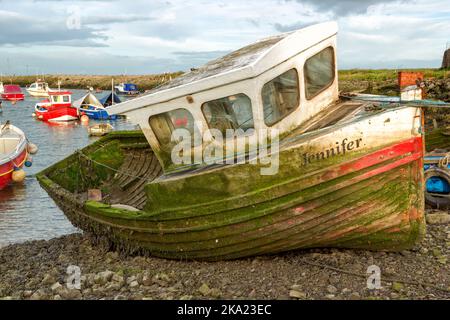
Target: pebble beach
38, 270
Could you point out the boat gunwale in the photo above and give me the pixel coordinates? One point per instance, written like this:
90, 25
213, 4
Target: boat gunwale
20, 147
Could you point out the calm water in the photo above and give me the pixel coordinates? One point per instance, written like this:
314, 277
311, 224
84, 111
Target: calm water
26, 211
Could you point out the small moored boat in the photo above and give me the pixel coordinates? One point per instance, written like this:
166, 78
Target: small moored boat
100, 129
2, 89
93, 108
127, 89
12, 92
39, 89
57, 109
14, 154
313, 169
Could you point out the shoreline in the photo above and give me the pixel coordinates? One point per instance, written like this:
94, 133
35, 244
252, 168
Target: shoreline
381, 81
103, 82
37, 270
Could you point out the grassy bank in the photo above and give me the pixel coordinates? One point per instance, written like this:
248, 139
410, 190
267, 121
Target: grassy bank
383, 81
144, 82
373, 81
387, 74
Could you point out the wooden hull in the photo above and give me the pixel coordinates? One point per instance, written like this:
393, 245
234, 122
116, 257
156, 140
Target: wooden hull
370, 197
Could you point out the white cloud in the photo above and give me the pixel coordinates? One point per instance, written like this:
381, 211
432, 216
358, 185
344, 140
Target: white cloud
178, 34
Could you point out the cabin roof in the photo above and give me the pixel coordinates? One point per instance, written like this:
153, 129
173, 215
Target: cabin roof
247, 62
10, 88
234, 60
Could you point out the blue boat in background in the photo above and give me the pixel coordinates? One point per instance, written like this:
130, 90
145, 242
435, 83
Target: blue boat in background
127, 89
93, 108
110, 99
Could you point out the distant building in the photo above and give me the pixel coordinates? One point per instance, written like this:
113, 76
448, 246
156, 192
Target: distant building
446, 59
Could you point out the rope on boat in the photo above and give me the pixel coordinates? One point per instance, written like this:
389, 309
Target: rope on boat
363, 275
444, 161
386, 102
111, 168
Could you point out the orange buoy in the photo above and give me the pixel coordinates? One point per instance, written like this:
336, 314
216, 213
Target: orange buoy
18, 175
32, 148
84, 118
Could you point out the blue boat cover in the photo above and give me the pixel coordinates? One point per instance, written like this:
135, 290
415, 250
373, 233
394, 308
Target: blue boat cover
108, 97
130, 87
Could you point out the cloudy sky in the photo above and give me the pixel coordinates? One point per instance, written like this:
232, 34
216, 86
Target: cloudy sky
141, 37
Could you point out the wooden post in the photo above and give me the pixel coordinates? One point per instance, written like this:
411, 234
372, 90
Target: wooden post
112, 91
446, 59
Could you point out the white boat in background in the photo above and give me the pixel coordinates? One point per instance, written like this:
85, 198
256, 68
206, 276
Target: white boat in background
39, 89
127, 89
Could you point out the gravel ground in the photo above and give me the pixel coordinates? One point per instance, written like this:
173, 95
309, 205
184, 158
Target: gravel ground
38, 270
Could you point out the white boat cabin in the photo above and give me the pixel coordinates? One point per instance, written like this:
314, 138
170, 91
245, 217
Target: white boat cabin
60, 97
278, 82
39, 86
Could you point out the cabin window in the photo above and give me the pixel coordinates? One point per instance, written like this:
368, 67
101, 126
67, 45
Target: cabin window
66, 98
233, 112
164, 124
281, 96
319, 72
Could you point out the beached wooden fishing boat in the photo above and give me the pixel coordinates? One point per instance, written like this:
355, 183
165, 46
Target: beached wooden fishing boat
344, 174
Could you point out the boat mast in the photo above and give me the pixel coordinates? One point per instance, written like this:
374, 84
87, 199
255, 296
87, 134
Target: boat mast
112, 91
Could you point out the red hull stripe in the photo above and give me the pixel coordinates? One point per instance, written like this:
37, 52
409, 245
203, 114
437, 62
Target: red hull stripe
410, 149
7, 168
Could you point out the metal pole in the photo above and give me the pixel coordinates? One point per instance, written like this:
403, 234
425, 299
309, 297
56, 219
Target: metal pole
112, 91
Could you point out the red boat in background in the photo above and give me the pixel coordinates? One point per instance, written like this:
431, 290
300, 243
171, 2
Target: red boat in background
13, 154
12, 92
58, 108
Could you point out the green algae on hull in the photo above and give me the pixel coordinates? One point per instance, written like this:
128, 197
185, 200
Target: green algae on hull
339, 202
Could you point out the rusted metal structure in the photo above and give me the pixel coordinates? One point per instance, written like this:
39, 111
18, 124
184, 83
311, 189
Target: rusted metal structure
446, 58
